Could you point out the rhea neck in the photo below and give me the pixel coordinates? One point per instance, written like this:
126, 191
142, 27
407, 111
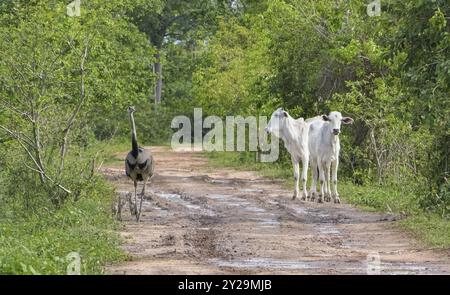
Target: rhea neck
134, 144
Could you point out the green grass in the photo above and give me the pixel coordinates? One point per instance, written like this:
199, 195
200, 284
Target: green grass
110, 151
376, 197
430, 228
36, 235
38, 242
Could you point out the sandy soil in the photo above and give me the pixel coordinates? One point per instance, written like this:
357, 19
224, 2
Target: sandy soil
202, 220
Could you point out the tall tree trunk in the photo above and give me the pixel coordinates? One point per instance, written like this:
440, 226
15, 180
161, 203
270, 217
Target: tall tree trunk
157, 69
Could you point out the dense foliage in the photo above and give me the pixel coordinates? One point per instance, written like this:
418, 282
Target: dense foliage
390, 73
65, 83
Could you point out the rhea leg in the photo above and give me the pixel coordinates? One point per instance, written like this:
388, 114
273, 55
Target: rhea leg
138, 216
135, 197
143, 188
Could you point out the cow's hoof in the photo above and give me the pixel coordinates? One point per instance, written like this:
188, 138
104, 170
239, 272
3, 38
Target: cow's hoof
294, 197
319, 200
304, 196
337, 201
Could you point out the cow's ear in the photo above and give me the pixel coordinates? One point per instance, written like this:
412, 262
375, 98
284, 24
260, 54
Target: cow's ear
285, 113
325, 118
347, 120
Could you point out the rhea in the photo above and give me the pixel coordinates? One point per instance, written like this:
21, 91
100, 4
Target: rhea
139, 165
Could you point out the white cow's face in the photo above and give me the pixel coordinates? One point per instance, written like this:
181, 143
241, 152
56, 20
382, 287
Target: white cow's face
274, 123
336, 119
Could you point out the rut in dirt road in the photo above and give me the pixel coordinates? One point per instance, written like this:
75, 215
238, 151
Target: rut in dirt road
202, 220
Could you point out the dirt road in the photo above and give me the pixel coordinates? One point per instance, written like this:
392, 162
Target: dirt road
202, 220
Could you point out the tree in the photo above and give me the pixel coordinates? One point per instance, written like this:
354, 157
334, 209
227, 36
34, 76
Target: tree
174, 21
57, 74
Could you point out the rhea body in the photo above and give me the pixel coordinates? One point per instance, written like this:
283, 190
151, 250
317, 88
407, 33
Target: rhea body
139, 165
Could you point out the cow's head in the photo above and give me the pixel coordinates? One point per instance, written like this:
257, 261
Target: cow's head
335, 119
275, 120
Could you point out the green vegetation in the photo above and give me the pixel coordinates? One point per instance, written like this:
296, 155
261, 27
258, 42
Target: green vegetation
38, 242
65, 83
391, 73
430, 228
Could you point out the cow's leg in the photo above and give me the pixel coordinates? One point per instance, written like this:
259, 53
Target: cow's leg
322, 171
324, 183
335, 165
328, 183
314, 177
305, 164
295, 164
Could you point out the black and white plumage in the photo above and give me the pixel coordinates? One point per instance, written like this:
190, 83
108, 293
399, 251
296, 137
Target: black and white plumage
139, 165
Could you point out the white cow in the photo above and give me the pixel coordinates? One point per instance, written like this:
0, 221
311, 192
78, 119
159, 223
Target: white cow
294, 133
324, 147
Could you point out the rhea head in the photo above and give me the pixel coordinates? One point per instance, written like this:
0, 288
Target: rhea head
131, 109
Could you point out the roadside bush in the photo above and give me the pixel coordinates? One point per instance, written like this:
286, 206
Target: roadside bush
38, 241
40, 224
